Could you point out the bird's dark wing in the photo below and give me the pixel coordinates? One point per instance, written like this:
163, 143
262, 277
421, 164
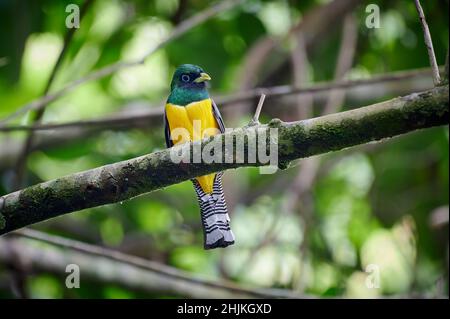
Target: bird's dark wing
169, 142
218, 117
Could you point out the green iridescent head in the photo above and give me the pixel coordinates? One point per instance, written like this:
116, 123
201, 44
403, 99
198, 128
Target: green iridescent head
188, 85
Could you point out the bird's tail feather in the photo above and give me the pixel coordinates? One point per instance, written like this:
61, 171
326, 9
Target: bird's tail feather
215, 219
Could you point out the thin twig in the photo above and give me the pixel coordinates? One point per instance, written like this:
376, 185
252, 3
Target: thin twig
255, 118
112, 68
429, 44
259, 108
228, 100
286, 90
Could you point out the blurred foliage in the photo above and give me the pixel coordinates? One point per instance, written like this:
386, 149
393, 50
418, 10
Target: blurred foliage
371, 204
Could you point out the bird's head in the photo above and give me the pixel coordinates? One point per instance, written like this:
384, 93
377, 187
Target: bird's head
189, 76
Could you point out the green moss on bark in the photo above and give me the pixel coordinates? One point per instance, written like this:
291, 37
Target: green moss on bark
124, 180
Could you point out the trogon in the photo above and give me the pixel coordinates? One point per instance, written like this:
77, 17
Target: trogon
190, 108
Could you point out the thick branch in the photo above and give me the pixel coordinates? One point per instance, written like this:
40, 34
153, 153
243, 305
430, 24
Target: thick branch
76, 131
124, 180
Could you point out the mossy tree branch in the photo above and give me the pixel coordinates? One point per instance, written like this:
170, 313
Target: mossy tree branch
124, 180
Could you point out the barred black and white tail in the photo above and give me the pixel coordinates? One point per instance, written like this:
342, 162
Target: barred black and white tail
215, 219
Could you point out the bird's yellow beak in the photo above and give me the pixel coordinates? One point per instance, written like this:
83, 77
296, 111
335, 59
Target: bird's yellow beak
202, 78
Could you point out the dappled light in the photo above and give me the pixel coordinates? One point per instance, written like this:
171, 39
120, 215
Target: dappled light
357, 206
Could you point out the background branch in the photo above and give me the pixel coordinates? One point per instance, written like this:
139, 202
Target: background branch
126, 270
181, 29
144, 116
299, 197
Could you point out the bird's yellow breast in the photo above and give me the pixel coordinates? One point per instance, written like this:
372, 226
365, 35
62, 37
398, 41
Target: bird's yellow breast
193, 122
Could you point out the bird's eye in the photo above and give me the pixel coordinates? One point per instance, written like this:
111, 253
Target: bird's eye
185, 78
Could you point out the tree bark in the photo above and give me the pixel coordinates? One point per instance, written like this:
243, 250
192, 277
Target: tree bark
124, 180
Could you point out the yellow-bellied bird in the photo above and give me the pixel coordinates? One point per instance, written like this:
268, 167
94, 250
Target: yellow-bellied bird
190, 108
